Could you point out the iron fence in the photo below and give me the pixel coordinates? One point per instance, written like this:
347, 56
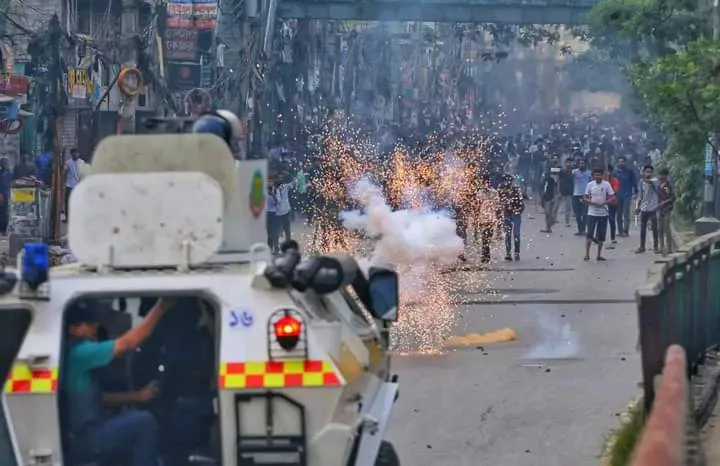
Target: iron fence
680, 304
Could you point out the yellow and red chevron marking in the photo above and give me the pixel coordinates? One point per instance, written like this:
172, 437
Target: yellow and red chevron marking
278, 374
24, 380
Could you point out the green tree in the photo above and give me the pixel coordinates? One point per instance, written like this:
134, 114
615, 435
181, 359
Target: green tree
673, 69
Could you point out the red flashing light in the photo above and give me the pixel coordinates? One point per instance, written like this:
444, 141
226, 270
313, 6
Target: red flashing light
287, 332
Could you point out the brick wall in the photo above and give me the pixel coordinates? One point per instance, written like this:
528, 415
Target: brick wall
68, 130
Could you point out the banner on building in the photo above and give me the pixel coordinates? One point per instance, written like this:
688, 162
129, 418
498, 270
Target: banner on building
180, 14
192, 14
80, 84
15, 85
181, 44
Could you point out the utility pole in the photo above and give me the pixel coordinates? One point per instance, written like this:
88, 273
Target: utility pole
55, 82
708, 223
129, 34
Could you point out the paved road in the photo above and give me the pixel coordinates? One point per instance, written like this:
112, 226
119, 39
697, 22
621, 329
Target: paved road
494, 406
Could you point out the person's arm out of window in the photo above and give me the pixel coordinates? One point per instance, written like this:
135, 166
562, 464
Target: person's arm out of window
138, 334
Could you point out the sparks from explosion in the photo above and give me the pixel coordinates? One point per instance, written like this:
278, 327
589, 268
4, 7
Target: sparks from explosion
406, 187
418, 242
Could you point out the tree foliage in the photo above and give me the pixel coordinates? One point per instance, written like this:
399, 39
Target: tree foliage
673, 68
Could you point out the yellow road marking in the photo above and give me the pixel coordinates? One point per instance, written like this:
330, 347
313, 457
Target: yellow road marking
498, 336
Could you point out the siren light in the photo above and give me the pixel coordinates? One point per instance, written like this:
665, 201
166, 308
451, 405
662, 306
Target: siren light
287, 331
35, 264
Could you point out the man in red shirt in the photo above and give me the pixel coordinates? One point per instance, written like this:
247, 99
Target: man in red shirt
612, 208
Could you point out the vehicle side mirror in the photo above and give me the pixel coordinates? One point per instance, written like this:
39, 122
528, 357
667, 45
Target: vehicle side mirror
384, 293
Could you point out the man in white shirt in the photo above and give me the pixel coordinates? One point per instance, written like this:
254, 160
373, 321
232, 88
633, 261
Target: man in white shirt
72, 177
281, 195
598, 195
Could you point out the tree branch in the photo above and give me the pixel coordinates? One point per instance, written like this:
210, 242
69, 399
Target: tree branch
699, 121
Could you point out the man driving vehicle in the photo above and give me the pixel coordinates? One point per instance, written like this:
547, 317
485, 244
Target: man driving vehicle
91, 433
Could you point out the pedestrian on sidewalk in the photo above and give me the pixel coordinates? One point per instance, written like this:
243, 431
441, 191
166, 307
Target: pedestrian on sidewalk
72, 178
566, 190
581, 178
667, 199
628, 189
271, 222
598, 195
301, 191
550, 195
281, 191
612, 208
43, 165
647, 207
513, 203
486, 219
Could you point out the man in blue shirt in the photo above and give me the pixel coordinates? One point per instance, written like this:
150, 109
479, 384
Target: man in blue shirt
43, 166
91, 433
628, 189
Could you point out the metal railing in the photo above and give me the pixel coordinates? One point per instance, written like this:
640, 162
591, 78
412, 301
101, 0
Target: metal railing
680, 305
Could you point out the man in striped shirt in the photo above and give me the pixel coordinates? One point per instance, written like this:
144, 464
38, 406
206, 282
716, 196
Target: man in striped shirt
647, 207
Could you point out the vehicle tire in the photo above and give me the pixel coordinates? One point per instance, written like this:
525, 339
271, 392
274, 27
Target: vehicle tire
387, 456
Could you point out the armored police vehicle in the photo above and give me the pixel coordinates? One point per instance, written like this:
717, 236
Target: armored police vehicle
177, 338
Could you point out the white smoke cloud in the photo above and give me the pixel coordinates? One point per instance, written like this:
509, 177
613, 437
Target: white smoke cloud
557, 340
403, 237
418, 242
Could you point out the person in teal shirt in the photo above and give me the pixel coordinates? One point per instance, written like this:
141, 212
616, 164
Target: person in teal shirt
301, 192
92, 433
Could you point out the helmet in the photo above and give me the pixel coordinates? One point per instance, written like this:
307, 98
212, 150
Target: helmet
233, 121
221, 123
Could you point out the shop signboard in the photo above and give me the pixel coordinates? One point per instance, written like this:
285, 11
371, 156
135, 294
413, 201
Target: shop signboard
14, 85
179, 14
181, 44
197, 14
205, 13
183, 76
709, 159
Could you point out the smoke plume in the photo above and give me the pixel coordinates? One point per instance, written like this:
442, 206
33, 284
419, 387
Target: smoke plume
418, 242
557, 340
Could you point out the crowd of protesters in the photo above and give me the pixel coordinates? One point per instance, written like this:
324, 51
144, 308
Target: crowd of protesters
594, 174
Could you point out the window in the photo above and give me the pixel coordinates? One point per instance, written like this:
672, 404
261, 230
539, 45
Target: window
180, 356
7, 450
14, 324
